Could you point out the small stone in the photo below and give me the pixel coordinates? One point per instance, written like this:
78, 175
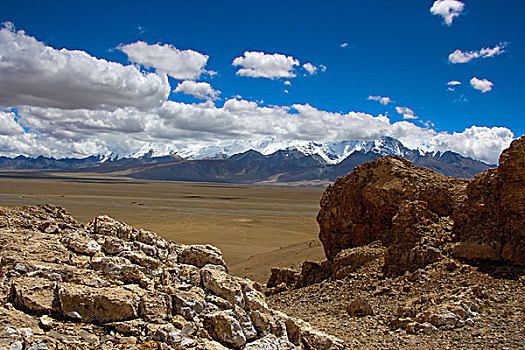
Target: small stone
359, 307
88, 337
46, 322
128, 340
427, 328
451, 265
38, 346
178, 321
26, 332
74, 315
16, 346
412, 327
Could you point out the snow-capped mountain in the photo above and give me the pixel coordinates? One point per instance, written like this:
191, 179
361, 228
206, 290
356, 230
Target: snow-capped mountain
330, 152
254, 160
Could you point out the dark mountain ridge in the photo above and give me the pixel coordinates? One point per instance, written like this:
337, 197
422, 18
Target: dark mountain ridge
251, 166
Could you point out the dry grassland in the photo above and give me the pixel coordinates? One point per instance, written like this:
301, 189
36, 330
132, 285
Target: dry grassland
256, 227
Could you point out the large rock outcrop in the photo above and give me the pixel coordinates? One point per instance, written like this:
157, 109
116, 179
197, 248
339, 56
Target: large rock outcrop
359, 208
107, 285
420, 216
411, 217
491, 223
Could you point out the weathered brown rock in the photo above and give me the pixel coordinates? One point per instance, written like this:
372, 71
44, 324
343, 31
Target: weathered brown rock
358, 208
33, 294
98, 304
417, 238
155, 307
189, 303
223, 285
359, 307
348, 260
491, 223
282, 275
81, 244
201, 255
109, 285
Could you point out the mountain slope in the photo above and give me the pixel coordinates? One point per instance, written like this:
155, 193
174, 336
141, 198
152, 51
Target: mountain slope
267, 160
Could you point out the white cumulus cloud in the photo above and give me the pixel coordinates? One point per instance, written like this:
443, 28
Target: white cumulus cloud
32, 73
310, 68
259, 64
459, 56
200, 90
179, 64
478, 142
8, 124
61, 133
406, 112
483, 85
381, 99
448, 9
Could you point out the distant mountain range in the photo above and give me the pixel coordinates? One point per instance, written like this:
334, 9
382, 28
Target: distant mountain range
255, 161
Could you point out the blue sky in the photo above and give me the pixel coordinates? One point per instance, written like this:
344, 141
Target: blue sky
395, 49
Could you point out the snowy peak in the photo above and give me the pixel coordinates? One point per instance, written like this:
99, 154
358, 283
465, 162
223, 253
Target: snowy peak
330, 152
336, 152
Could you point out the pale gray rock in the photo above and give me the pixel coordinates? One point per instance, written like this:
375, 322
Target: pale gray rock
225, 328
223, 285
201, 255
270, 342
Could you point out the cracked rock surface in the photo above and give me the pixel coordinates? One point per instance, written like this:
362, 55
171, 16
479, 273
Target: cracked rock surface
107, 285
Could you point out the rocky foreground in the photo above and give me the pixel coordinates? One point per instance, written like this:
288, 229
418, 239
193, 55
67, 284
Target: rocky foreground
107, 285
416, 259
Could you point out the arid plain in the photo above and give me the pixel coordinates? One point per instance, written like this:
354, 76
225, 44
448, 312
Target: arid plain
256, 226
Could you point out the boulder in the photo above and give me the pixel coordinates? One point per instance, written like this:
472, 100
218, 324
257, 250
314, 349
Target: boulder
282, 275
109, 285
140, 259
98, 304
490, 223
270, 342
33, 294
201, 255
223, 285
416, 238
359, 307
349, 260
315, 339
81, 245
225, 328
312, 272
189, 303
358, 208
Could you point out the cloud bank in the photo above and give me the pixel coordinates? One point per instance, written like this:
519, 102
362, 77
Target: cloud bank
70, 104
32, 73
173, 125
